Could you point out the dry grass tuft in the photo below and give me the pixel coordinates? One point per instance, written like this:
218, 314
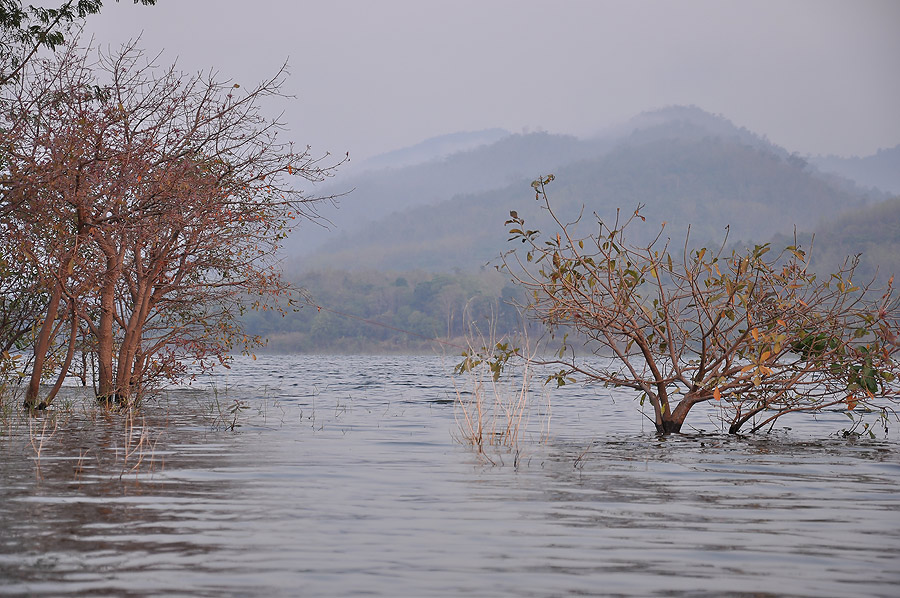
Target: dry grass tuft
493, 406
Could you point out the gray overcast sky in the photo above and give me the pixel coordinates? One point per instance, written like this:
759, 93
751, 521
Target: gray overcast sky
371, 76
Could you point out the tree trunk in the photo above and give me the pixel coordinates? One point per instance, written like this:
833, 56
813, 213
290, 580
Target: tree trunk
64, 369
669, 426
670, 422
106, 384
124, 365
131, 342
41, 347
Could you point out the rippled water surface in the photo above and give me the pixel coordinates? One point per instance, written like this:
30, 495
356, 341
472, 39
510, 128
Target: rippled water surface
348, 476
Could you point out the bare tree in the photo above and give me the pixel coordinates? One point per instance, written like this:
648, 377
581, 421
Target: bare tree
756, 333
152, 204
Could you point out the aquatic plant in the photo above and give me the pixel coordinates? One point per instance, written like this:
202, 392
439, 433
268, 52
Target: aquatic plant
493, 408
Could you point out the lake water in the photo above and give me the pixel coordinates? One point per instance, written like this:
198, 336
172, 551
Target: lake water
349, 476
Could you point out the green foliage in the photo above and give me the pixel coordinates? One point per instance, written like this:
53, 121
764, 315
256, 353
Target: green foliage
24, 30
495, 358
812, 345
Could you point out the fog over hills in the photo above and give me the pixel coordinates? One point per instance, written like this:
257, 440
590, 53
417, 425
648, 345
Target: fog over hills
435, 148
881, 170
370, 195
686, 122
872, 232
687, 166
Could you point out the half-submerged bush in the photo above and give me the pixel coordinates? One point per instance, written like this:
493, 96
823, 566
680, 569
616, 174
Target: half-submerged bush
754, 331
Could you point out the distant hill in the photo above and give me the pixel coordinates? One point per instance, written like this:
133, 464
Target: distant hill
872, 231
688, 123
435, 148
390, 312
410, 243
399, 311
687, 166
881, 170
691, 123
375, 194
707, 183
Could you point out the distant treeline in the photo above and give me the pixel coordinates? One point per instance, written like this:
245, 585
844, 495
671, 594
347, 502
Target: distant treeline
402, 310
412, 260
370, 312
871, 232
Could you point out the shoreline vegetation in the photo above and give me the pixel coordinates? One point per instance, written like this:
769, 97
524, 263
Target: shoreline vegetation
373, 312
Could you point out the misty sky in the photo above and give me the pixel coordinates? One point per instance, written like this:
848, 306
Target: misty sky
372, 76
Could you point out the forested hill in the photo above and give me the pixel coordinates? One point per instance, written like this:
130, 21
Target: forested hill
414, 242
435, 148
384, 311
872, 232
881, 170
706, 182
372, 195
441, 168
688, 123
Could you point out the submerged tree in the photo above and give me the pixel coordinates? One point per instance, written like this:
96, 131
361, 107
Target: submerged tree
150, 204
754, 331
24, 32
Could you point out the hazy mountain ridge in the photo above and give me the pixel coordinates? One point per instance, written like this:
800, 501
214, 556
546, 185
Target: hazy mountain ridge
688, 122
708, 184
689, 168
880, 170
864, 176
374, 195
416, 268
434, 148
